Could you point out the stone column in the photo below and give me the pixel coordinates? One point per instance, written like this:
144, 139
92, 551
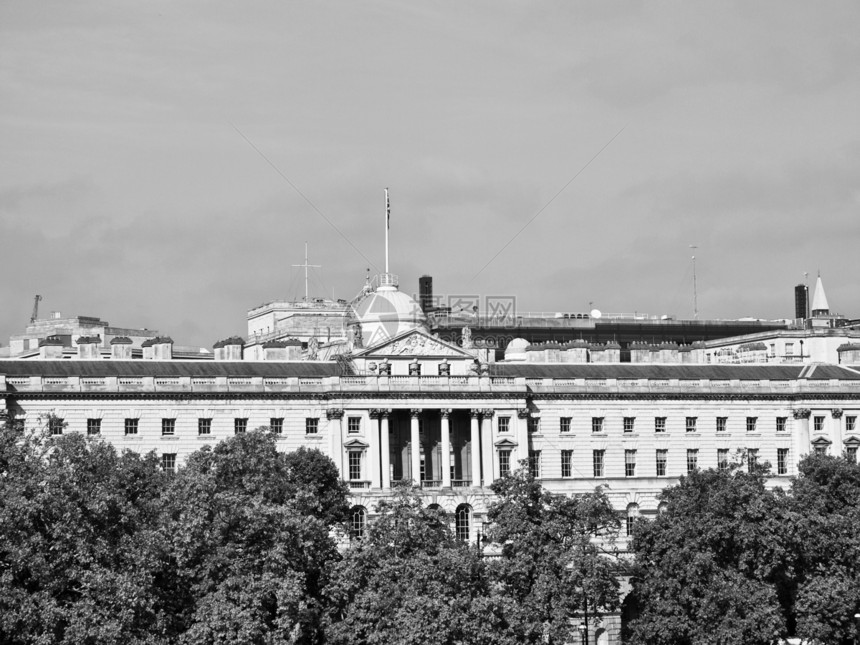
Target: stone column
490, 470
474, 438
385, 447
373, 454
836, 432
335, 424
800, 443
522, 436
446, 447
415, 446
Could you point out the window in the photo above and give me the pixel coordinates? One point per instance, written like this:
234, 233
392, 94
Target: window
722, 458
277, 425
691, 424
168, 427
204, 426
629, 423
240, 425
131, 426
94, 426
818, 424
659, 424
781, 424
504, 424
851, 454
632, 514
597, 461
504, 462
629, 463
782, 461
820, 450
534, 424
751, 423
752, 459
567, 463
564, 424
692, 459
353, 425
354, 465
722, 423
55, 425
168, 462
312, 425
534, 463
357, 522
662, 458
463, 520
789, 349
850, 423
597, 424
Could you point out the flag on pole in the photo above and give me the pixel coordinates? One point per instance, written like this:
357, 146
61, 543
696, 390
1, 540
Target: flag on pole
387, 210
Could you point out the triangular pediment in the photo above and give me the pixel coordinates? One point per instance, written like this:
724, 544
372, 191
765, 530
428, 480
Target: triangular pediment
356, 444
505, 443
821, 441
852, 441
415, 342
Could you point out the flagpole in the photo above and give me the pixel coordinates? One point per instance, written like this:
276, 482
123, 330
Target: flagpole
387, 216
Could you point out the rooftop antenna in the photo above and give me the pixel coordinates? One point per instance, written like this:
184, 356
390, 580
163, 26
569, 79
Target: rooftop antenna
307, 266
387, 226
695, 292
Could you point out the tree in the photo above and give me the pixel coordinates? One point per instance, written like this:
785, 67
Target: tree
717, 565
557, 558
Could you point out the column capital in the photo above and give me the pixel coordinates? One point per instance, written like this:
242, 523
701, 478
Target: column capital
488, 413
445, 412
523, 413
334, 413
802, 413
475, 413
378, 413
836, 413
415, 412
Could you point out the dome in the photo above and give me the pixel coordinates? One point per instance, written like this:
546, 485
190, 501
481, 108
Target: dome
385, 313
516, 350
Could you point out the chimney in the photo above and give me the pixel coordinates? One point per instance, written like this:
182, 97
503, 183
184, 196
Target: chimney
425, 293
51, 348
120, 348
801, 301
276, 350
229, 349
158, 349
88, 347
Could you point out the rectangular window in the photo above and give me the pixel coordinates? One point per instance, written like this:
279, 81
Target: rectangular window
722, 458
564, 424
277, 425
534, 463
504, 462
629, 423
131, 426
850, 423
534, 424
504, 424
354, 465
722, 424
789, 349
752, 458
168, 427
204, 426
820, 450
691, 424
353, 425
751, 423
782, 461
818, 424
94, 426
692, 459
662, 458
597, 424
312, 425
567, 463
168, 462
851, 454
240, 425
659, 424
629, 463
55, 425
597, 461
781, 424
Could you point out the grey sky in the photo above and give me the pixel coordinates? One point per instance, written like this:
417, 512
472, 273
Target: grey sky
125, 192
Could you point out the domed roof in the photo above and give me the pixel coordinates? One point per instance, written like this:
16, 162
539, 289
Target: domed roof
516, 350
387, 312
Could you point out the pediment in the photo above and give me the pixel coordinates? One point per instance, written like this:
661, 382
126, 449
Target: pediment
505, 443
821, 441
852, 441
415, 342
356, 444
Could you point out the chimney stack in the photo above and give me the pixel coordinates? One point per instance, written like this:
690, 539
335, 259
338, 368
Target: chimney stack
51, 347
158, 349
229, 349
120, 348
88, 347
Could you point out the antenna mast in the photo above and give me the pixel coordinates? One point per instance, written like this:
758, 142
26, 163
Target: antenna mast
695, 292
387, 224
307, 266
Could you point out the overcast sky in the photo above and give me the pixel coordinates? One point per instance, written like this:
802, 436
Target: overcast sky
131, 186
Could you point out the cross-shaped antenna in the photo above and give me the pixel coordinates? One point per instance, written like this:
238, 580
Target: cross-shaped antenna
307, 266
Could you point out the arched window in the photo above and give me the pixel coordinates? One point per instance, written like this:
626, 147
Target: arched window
662, 508
357, 522
463, 521
632, 514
